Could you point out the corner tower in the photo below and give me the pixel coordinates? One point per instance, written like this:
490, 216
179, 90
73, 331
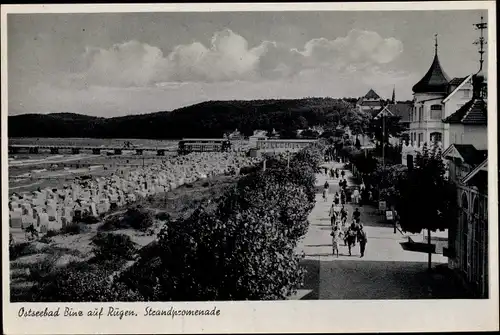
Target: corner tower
428, 110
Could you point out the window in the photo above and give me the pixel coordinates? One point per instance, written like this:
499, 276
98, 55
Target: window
484, 92
420, 113
436, 112
436, 137
464, 223
420, 137
466, 93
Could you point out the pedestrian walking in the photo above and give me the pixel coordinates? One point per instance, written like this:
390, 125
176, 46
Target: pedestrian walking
356, 215
343, 215
356, 196
351, 238
362, 238
342, 197
333, 215
342, 174
326, 187
335, 234
336, 198
337, 173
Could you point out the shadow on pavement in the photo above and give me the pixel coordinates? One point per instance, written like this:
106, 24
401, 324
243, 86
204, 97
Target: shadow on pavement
379, 280
318, 245
311, 280
320, 254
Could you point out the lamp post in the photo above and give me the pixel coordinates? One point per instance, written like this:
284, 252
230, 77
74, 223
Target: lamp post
383, 140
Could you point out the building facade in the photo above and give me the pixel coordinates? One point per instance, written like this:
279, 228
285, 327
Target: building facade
468, 169
467, 249
435, 97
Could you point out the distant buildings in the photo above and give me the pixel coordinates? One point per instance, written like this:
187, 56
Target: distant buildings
371, 103
257, 135
402, 110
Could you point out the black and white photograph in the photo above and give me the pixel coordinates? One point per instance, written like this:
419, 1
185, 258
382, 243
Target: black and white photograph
246, 156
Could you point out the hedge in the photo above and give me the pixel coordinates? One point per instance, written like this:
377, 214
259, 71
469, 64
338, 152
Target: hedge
240, 247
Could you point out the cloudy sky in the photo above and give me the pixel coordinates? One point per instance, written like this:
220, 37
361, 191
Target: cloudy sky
131, 63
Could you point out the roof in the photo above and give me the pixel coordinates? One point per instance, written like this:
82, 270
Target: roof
383, 111
470, 154
371, 103
453, 82
473, 112
482, 167
371, 95
456, 81
375, 112
402, 110
434, 81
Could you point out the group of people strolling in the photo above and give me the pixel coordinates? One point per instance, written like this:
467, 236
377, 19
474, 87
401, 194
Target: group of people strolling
350, 234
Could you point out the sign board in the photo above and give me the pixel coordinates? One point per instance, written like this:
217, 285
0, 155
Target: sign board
389, 215
381, 205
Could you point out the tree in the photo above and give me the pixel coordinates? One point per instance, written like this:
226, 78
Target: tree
388, 125
358, 143
235, 255
386, 179
301, 122
288, 133
310, 134
426, 199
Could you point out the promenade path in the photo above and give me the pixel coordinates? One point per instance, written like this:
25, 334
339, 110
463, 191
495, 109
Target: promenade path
385, 272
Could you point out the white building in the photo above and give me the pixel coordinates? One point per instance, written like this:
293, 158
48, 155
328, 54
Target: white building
435, 97
468, 124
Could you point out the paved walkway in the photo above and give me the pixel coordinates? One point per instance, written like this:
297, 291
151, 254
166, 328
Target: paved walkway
385, 272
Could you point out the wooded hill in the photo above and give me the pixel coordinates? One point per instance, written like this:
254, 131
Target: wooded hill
206, 119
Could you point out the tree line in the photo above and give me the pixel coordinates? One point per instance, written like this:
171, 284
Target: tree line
207, 119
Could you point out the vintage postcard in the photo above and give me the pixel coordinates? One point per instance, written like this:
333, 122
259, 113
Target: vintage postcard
233, 168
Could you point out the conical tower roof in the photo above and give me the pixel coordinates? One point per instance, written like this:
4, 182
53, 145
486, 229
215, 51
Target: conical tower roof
435, 80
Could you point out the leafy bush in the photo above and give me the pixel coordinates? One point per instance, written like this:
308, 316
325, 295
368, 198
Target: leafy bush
108, 246
74, 229
273, 193
163, 216
364, 163
87, 218
135, 217
111, 223
311, 156
81, 282
246, 256
51, 233
17, 250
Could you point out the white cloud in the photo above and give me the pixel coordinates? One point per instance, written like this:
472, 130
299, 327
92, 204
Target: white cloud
134, 77
128, 64
230, 58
